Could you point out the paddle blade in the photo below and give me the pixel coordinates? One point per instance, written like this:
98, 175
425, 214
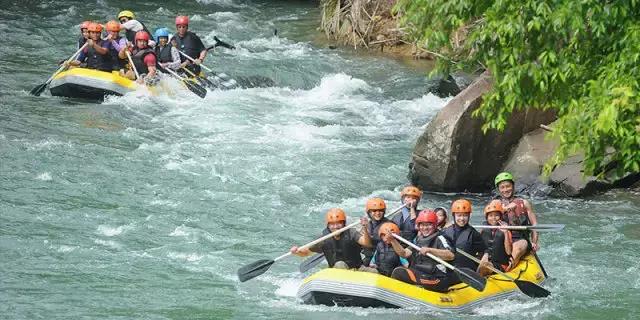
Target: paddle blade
472, 278
310, 263
253, 270
531, 289
38, 89
196, 89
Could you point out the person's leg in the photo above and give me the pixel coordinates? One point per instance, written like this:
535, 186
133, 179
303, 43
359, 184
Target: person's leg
341, 265
367, 269
519, 249
404, 274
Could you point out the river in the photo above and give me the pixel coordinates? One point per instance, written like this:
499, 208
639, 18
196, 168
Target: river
144, 207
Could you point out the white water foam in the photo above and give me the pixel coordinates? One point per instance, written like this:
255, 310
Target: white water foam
45, 176
112, 231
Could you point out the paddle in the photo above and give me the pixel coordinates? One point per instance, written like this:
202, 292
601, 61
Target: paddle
194, 61
202, 80
529, 288
39, 88
309, 263
468, 276
133, 66
259, 267
220, 43
538, 227
193, 87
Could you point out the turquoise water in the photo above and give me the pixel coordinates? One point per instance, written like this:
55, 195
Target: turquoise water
144, 207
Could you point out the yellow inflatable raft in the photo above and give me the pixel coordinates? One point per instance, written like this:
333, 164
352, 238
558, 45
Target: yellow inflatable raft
362, 289
90, 84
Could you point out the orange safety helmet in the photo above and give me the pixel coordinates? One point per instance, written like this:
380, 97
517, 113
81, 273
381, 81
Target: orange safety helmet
461, 206
388, 227
494, 205
427, 216
411, 191
375, 204
335, 215
142, 35
182, 21
113, 26
85, 25
94, 27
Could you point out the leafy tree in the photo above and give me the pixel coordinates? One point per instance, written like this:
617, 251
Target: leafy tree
578, 57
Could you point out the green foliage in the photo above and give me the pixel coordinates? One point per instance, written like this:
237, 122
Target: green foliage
580, 58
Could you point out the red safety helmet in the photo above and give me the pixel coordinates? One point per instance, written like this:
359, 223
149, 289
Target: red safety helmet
182, 21
142, 35
427, 216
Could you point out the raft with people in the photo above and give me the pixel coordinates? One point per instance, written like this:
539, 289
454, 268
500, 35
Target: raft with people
412, 258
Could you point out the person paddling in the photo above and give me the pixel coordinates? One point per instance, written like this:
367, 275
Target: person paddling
385, 259
409, 195
84, 33
465, 237
132, 26
117, 44
144, 59
517, 212
498, 241
167, 54
189, 43
422, 270
375, 209
342, 251
96, 55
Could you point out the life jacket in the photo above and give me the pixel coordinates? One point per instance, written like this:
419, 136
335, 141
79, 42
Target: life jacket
81, 41
494, 239
422, 262
138, 59
102, 62
190, 44
131, 35
519, 216
464, 240
164, 54
344, 249
115, 59
407, 226
386, 259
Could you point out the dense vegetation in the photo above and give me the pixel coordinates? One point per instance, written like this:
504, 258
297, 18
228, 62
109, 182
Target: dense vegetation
580, 58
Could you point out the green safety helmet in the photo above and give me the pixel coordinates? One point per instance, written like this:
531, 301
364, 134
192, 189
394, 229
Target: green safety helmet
503, 176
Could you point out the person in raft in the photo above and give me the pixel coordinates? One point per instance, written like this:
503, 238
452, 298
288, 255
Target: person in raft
167, 53
385, 259
84, 33
410, 196
498, 241
464, 236
517, 212
190, 44
96, 55
144, 59
441, 213
342, 251
375, 209
422, 270
117, 44
132, 26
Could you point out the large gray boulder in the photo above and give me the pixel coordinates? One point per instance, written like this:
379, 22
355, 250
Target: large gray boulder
454, 155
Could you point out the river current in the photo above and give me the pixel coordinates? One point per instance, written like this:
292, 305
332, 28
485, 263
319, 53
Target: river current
144, 207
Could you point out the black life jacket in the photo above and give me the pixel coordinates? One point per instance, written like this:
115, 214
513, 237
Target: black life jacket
131, 35
164, 54
98, 61
373, 228
344, 249
81, 41
464, 240
423, 262
407, 227
138, 59
516, 217
190, 44
386, 259
494, 240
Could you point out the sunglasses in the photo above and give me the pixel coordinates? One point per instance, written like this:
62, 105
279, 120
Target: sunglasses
123, 20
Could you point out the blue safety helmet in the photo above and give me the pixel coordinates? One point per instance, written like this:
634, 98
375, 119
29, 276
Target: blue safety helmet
162, 32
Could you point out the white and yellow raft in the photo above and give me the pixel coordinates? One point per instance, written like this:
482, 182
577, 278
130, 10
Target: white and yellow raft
362, 289
90, 84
